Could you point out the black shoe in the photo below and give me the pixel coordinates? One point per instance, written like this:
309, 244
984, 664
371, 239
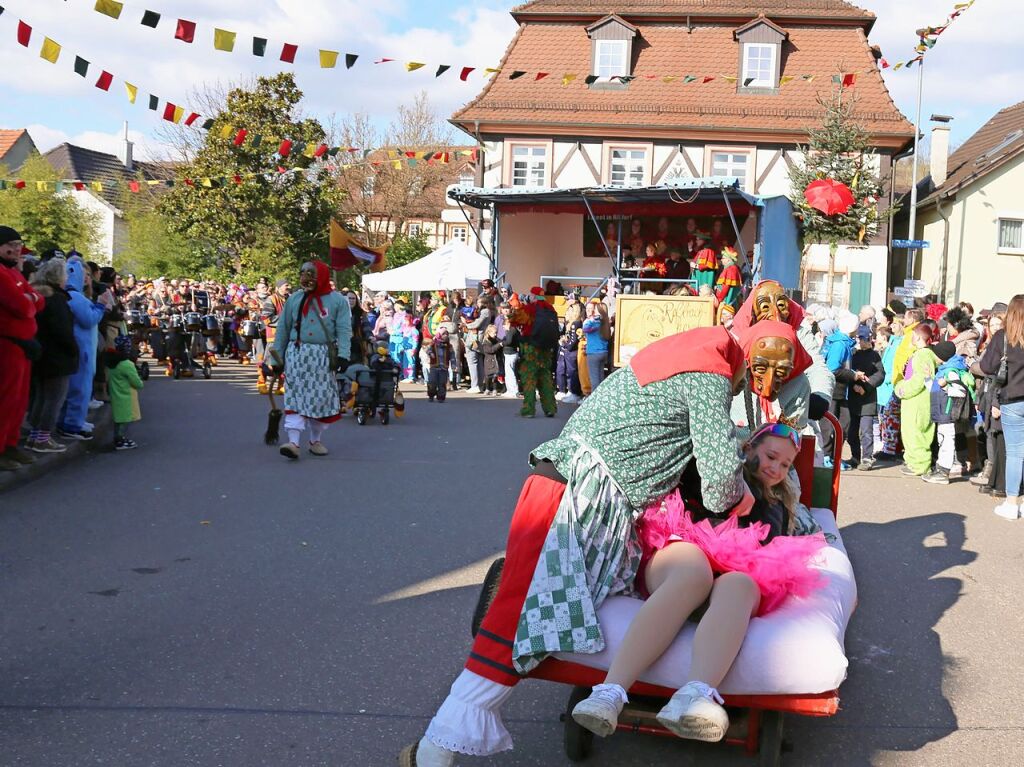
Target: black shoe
430, 397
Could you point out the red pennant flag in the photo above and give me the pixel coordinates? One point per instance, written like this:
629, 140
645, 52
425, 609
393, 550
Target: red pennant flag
105, 80
411, 155
240, 137
24, 33
465, 73
285, 149
850, 80
134, 186
382, 61
288, 53
169, 111
321, 150
191, 118
19, 184
885, 64
238, 180
475, 155
281, 169
189, 182
541, 76
79, 186
186, 31
708, 79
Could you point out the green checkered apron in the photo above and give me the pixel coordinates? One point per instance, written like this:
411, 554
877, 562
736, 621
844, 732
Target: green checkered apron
311, 389
591, 552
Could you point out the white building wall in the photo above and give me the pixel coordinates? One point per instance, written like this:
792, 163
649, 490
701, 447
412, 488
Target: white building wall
872, 260
113, 234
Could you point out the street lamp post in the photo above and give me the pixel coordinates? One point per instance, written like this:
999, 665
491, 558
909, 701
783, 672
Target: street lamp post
912, 234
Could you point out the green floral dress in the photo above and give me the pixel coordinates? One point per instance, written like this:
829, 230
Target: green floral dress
625, 448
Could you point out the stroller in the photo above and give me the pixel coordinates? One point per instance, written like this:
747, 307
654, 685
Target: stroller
376, 388
138, 330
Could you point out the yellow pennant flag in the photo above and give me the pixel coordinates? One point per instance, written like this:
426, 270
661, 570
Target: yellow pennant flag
50, 51
97, 186
133, 92
328, 59
491, 71
412, 66
207, 183
179, 112
310, 150
669, 78
568, 78
786, 79
397, 164
40, 186
227, 131
729, 78
223, 40
897, 66
111, 8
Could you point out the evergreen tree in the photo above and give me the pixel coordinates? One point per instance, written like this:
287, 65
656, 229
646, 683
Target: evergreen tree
271, 222
839, 149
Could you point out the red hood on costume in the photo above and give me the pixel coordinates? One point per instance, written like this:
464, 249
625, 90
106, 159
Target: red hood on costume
322, 287
701, 350
745, 316
774, 329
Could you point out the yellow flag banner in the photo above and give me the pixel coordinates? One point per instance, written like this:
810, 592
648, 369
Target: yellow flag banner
227, 131
412, 66
133, 92
179, 112
328, 59
223, 40
50, 51
110, 8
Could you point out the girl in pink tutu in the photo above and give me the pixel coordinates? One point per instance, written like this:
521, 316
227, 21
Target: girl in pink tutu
724, 571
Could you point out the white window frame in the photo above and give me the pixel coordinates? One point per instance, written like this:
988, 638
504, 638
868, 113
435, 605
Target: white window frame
617, 53
772, 62
636, 171
461, 233
1006, 250
369, 185
749, 178
537, 171
415, 229
840, 289
467, 178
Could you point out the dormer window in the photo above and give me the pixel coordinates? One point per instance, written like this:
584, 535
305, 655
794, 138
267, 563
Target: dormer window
760, 60
611, 50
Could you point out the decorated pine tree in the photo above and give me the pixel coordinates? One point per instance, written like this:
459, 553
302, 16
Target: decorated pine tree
838, 151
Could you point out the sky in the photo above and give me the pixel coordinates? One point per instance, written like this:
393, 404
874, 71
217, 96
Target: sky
971, 74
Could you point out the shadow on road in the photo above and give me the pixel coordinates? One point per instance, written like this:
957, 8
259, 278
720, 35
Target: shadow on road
894, 699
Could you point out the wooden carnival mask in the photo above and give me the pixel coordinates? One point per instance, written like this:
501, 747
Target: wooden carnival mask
770, 360
770, 302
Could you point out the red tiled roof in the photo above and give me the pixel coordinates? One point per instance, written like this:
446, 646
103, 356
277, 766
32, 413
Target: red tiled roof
817, 9
996, 142
678, 110
9, 138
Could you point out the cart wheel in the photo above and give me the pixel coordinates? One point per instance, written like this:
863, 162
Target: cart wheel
579, 741
177, 371
361, 417
385, 416
207, 370
770, 753
488, 591
144, 371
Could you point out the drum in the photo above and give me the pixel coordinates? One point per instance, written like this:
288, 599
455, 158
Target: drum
177, 322
193, 322
251, 329
211, 325
137, 320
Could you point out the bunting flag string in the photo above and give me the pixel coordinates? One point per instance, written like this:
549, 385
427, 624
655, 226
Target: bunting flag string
928, 37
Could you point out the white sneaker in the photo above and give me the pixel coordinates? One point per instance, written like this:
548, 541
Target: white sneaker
560, 395
1007, 510
94, 404
571, 399
510, 395
695, 713
600, 712
426, 754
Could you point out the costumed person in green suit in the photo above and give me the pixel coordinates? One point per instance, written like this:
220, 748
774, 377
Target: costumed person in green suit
916, 427
729, 286
313, 320
705, 262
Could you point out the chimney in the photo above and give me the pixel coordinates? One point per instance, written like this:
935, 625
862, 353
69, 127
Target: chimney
124, 154
940, 149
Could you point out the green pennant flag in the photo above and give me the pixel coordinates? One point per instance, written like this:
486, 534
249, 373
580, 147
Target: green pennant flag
154, 103
81, 66
259, 46
150, 19
689, 78
256, 141
208, 124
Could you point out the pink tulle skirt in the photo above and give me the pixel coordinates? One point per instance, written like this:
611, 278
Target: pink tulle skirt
781, 568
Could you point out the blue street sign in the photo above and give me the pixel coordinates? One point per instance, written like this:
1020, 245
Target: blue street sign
914, 244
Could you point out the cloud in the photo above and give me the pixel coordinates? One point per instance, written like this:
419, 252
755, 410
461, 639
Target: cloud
145, 147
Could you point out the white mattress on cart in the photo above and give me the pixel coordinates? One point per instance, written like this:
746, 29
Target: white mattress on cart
797, 649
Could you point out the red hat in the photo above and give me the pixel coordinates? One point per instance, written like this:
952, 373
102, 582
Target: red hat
537, 291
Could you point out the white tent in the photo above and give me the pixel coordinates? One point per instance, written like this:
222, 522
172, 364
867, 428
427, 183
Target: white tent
453, 266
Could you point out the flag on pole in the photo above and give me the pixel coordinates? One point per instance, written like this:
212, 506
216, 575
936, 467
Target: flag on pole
50, 50
223, 40
110, 8
347, 252
328, 59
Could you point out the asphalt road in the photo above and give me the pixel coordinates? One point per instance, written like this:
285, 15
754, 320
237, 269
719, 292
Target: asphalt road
200, 601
